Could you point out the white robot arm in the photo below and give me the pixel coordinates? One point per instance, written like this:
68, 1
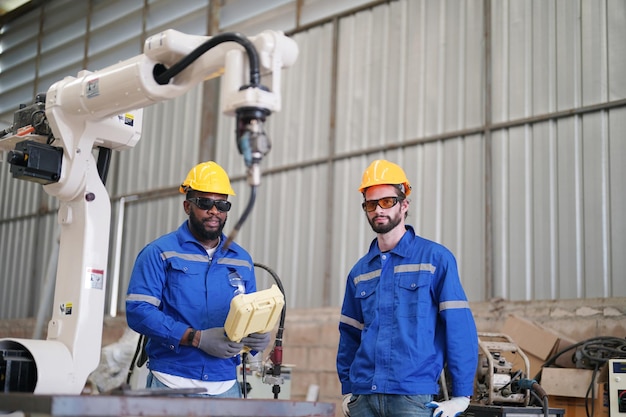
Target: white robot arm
105, 106
51, 142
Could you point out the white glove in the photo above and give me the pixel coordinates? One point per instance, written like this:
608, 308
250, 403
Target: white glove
344, 405
451, 408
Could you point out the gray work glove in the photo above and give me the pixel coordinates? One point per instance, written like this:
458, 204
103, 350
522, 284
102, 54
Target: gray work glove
215, 342
256, 341
451, 408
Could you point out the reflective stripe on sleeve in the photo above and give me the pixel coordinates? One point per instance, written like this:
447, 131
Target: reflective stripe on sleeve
144, 298
451, 305
351, 322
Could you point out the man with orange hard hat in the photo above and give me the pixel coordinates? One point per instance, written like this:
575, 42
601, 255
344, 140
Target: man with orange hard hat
404, 315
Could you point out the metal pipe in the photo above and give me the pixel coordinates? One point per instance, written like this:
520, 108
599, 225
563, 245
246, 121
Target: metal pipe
117, 254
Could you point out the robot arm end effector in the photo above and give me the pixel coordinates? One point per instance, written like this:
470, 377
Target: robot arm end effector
252, 141
253, 103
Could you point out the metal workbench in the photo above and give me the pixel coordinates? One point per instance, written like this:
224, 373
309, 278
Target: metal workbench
153, 406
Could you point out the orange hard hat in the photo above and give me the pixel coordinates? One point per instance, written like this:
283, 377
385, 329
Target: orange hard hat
384, 172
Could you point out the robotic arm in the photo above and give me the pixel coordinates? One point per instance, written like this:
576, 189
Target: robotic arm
102, 105
52, 141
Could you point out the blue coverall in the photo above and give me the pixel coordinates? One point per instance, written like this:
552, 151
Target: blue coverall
404, 315
174, 285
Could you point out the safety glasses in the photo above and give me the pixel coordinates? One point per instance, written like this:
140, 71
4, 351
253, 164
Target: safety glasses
208, 203
236, 282
385, 202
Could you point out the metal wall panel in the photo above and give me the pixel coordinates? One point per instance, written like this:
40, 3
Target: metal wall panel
26, 246
556, 216
553, 226
166, 151
18, 58
617, 201
400, 66
136, 223
514, 143
286, 231
372, 101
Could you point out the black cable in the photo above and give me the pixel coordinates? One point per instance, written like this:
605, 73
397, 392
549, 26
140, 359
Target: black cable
617, 349
104, 162
535, 399
243, 217
244, 372
536, 392
139, 358
515, 376
281, 324
540, 392
163, 75
166, 75
590, 399
593, 354
277, 351
599, 350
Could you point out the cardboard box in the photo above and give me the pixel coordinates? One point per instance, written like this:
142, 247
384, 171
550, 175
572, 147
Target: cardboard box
536, 365
567, 382
531, 337
566, 351
582, 407
537, 342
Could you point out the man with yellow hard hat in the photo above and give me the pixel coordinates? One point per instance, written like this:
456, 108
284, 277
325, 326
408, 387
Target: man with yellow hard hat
180, 291
404, 314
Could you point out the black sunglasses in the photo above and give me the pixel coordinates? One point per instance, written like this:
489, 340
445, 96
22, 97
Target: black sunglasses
385, 202
208, 203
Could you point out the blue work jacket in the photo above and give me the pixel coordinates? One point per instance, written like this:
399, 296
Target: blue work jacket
404, 315
174, 285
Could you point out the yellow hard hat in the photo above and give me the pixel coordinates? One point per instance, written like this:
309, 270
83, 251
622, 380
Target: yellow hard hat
384, 172
207, 177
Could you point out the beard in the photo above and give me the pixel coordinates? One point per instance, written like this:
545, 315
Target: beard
385, 227
199, 229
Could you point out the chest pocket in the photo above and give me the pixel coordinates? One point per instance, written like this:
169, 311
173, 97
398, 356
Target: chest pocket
186, 281
414, 294
365, 294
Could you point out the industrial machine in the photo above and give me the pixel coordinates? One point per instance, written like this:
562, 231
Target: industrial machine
502, 386
64, 141
501, 367
617, 387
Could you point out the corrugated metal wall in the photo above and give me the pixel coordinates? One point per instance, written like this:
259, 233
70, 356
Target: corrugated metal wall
508, 117
558, 204
511, 142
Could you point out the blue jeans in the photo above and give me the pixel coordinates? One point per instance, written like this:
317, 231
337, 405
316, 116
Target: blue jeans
233, 392
390, 405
